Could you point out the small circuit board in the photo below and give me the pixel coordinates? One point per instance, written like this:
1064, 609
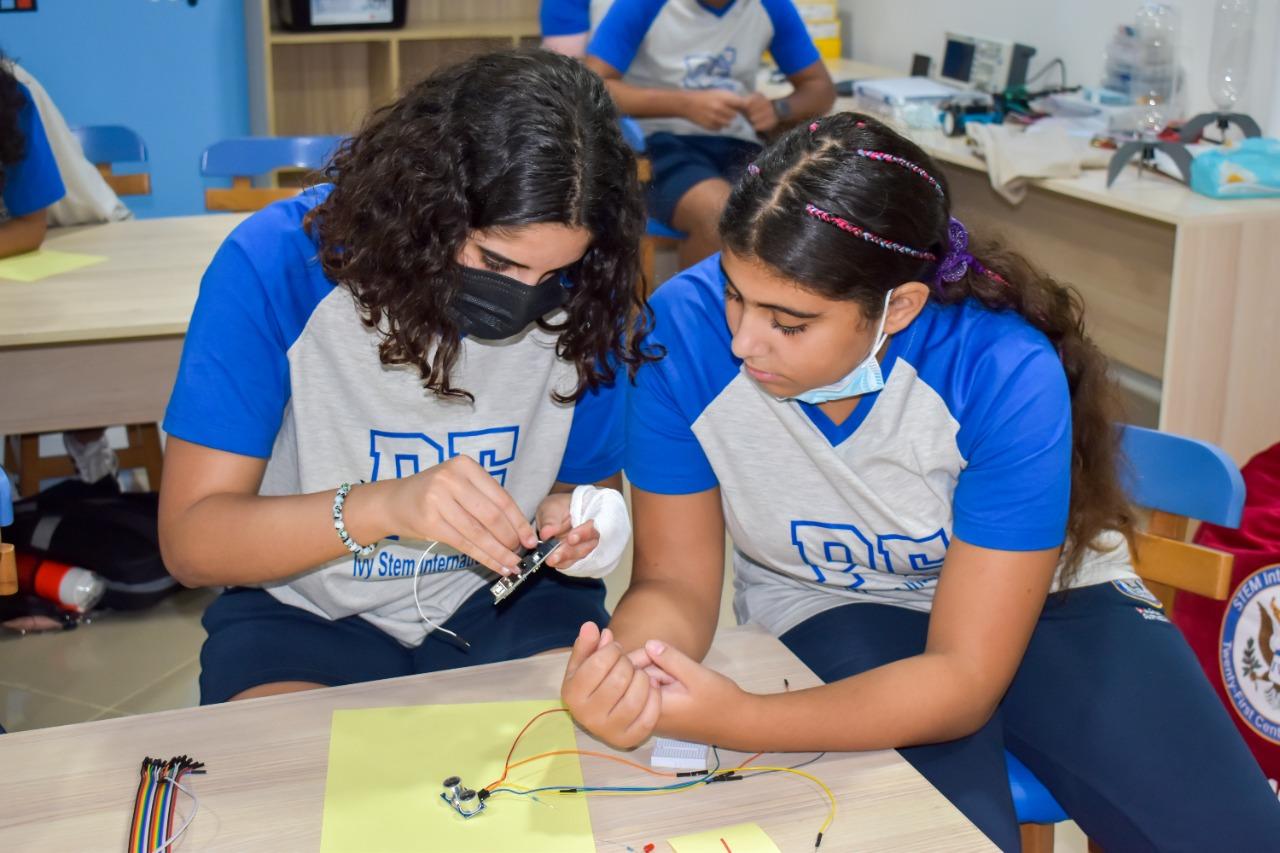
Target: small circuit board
530, 562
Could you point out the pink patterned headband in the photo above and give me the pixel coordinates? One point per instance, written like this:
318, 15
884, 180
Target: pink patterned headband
885, 157
870, 237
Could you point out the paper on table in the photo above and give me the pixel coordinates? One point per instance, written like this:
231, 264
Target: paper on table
741, 838
386, 765
42, 263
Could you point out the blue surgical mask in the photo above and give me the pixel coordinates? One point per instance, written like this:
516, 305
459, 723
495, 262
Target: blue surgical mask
866, 378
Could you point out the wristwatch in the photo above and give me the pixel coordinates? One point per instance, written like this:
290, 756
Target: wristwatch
782, 109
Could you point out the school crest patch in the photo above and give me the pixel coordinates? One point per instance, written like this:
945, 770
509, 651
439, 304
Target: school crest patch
1137, 590
1249, 652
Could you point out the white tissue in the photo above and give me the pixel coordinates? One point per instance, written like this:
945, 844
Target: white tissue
608, 509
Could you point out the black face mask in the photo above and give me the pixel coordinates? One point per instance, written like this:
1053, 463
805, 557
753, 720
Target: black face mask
492, 307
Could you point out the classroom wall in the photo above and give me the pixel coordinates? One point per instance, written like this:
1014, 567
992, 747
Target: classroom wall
1272, 127
887, 32
172, 71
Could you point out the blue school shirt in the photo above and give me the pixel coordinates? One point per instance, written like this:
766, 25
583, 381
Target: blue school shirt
686, 44
970, 438
33, 182
571, 17
564, 17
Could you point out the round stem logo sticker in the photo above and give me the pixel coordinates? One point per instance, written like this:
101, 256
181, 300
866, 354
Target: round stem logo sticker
1249, 653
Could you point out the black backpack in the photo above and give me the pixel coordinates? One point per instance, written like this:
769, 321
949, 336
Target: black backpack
96, 526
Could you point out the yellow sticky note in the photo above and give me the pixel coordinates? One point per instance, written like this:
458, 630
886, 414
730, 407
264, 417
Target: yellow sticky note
43, 263
386, 766
740, 838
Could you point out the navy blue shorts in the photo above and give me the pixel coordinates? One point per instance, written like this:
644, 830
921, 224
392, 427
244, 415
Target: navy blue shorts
255, 639
681, 162
1109, 709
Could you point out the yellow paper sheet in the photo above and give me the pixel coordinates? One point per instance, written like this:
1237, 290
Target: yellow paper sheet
43, 263
742, 838
386, 766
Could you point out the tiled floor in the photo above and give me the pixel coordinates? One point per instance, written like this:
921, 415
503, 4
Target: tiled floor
120, 663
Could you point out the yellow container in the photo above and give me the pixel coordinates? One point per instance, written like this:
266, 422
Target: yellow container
826, 37
829, 48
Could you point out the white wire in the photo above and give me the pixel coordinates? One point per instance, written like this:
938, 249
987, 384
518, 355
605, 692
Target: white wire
417, 573
195, 807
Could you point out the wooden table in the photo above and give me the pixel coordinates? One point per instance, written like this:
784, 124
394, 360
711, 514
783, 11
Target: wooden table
1181, 290
100, 345
72, 788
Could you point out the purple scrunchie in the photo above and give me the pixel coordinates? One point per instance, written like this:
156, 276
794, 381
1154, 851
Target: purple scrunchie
955, 263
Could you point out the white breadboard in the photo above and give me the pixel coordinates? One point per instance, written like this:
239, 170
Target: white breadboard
678, 754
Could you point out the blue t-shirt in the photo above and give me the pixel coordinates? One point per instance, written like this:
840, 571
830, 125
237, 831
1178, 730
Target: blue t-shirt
278, 364
564, 17
32, 183
687, 44
969, 438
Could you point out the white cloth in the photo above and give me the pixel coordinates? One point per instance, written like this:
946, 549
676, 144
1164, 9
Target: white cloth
608, 509
1014, 156
89, 198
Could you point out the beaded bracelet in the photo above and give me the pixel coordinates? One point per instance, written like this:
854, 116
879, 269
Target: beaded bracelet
341, 526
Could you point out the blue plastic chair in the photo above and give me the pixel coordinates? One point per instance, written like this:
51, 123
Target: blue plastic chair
246, 157
632, 133
107, 144
6, 500
111, 143
1182, 476
1031, 800
1171, 475
654, 228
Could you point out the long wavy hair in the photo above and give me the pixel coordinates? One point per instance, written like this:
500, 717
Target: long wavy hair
13, 145
814, 164
498, 141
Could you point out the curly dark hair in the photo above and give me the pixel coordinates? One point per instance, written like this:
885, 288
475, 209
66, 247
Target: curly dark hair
13, 145
764, 220
502, 140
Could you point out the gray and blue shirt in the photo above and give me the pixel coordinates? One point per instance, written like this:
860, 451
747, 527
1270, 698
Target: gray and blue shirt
279, 365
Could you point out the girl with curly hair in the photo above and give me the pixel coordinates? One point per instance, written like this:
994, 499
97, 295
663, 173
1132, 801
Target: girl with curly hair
911, 441
449, 320
29, 179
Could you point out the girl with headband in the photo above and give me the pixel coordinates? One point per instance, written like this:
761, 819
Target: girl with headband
912, 444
